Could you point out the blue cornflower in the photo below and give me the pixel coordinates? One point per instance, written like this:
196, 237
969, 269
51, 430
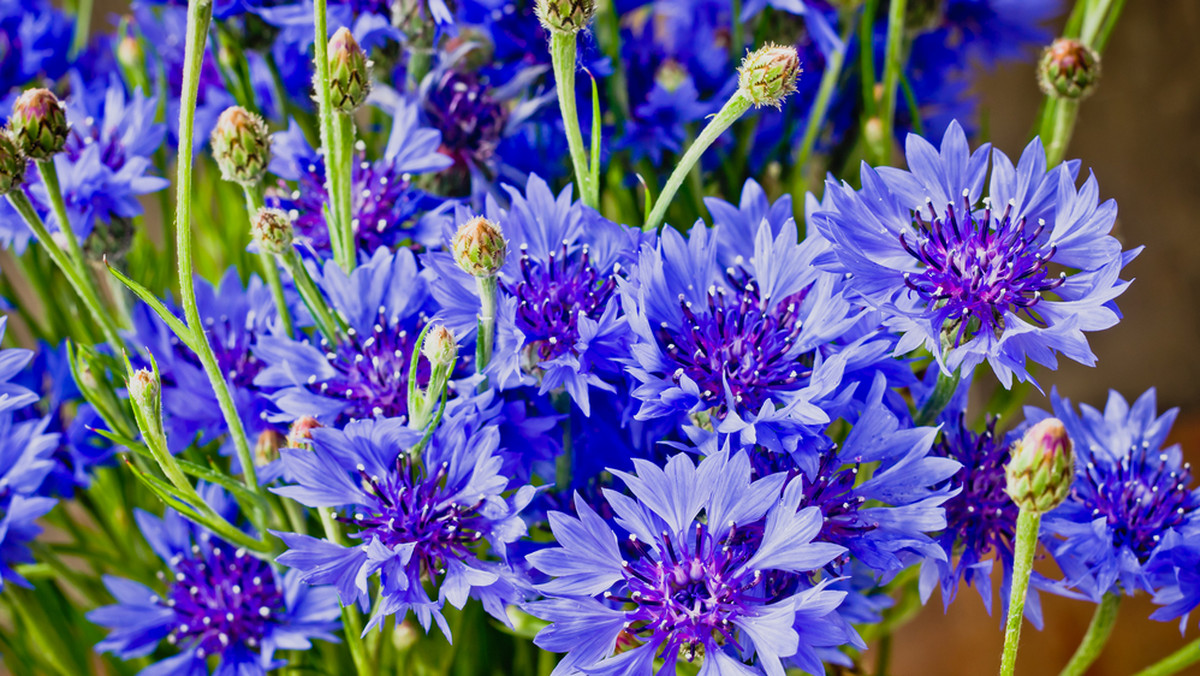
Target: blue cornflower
214, 599
25, 461
1131, 501
731, 585
746, 349
974, 277
419, 523
386, 207
560, 319
365, 375
739, 224
32, 35
13, 395
236, 319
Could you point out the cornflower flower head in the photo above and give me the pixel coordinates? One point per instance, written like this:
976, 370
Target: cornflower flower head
213, 599
715, 567
560, 323
748, 349
442, 521
1132, 500
1014, 275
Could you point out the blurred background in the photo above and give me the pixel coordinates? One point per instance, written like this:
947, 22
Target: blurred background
1140, 134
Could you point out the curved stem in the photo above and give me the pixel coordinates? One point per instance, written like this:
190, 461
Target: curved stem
1096, 637
562, 56
311, 295
1175, 662
87, 293
734, 108
1027, 536
1060, 126
199, 16
325, 114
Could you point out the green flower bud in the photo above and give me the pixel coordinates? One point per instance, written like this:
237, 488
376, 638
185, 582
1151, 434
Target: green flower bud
479, 247
440, 346
1042, 467
145, 391
12, 164
39, 124
1068, 69
111, 243
349, 72
768, 76
670, 75
241, 144
266, 450
565, 16
272, 231
300, 433
130, 54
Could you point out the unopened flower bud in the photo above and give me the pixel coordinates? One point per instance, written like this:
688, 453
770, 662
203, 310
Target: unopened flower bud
767, 76
145, 392
266, 450
300, 433
565, 16
440, 347
1068, 69
349, 72
12, 164
130, 54
39, 124
241, 144
1042, 467
272, 230
670, 75
479, 247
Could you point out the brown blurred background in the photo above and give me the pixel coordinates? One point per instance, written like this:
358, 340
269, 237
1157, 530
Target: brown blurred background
1140, 133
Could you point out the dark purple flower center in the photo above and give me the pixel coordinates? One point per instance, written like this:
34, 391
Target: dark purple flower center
412, 508
384, 203
461, 107
551, 296
740, 340
975, 269
372, 370
112, 153
689, 592
981, 518
833, 491
221, 598
1141, 497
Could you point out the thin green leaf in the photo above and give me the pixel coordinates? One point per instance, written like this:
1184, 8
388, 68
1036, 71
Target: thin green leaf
594, 169
178, 327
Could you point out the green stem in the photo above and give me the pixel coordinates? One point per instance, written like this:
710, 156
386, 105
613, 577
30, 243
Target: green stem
343, 141
325, 113
1096, 637
734, 108
311, 295
866, 57
485, 341
562, 56
891, 77
1109, 24
1175, 662
49, 174
1027, 537
943, 391
199, 16
87, 293
816, 114
1060, 125
270, 268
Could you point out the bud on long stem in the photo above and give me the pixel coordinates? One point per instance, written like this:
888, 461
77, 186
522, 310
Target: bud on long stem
766, 77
